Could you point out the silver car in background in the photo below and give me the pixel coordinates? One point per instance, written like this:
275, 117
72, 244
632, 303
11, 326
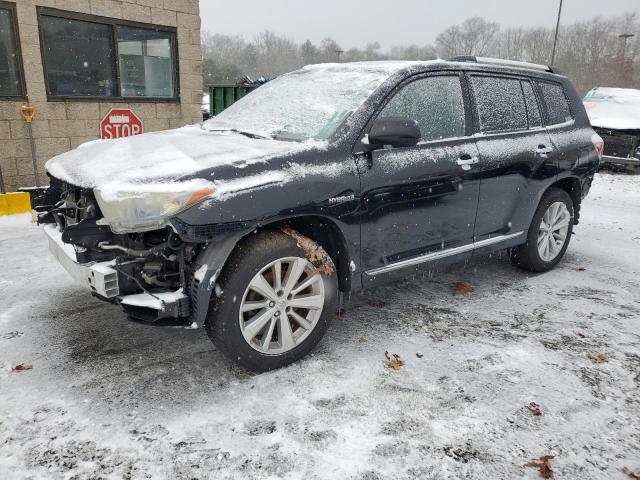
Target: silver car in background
615, 116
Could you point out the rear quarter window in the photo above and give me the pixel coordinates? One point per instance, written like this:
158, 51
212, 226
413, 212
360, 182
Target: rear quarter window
500, 103
556, 103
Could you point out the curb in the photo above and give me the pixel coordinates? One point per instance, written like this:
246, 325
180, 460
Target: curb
13, 203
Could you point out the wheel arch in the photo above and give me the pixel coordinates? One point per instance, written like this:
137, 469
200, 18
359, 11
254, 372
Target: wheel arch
326, 233
573, 186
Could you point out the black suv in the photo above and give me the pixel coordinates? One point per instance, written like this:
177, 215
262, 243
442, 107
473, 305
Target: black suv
330, 179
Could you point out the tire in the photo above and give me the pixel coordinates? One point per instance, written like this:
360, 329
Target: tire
529, 256
256, 258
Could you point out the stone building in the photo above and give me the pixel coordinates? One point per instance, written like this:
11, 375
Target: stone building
76, 60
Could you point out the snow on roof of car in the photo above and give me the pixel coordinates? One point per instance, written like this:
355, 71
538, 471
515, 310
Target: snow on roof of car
387, 66
614, 108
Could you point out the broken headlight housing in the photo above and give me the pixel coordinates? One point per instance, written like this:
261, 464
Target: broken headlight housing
145, 207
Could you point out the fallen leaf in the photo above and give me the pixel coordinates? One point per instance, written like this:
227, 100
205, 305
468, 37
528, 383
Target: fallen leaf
395, 363
581, 335
581, 269
376, 303
542, 464
461, 288
419, 355
535, 409
631, 474
599, 358
22, 367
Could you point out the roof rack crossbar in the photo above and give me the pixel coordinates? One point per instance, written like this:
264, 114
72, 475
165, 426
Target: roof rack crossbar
500, 61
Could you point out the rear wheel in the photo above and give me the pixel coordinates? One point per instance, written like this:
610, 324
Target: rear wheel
549, 234
277, 301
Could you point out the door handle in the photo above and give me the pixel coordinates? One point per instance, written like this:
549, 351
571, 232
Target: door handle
544, 151
466, 161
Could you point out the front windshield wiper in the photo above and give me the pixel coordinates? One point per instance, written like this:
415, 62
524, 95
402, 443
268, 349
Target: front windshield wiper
241, 132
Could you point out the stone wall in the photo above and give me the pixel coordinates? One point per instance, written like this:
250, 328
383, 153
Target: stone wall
63, 125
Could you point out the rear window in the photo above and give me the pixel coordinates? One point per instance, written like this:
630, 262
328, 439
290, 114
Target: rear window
556, 102
500, 102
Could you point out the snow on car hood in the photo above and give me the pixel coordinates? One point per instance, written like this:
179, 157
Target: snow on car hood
163, 156
614, 108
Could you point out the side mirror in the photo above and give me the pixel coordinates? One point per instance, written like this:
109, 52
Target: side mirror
394, 131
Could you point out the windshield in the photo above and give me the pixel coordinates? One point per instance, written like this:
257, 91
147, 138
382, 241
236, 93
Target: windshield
306, 104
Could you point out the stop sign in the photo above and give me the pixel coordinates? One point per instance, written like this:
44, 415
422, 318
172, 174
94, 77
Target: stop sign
120, 123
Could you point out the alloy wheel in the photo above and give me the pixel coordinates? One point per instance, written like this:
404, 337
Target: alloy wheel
554, 228
282, 305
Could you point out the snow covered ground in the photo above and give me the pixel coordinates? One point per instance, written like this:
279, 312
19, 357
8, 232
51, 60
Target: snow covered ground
111, 399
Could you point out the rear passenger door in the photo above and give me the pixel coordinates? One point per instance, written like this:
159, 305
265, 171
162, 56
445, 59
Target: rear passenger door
516, 153
561, 125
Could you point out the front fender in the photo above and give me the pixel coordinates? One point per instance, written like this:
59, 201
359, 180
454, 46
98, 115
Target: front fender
206, 270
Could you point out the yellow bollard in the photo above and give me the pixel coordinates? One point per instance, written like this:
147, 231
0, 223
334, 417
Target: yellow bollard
14, 203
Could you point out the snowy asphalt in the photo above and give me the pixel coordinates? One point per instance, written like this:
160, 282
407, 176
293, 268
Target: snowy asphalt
110, 399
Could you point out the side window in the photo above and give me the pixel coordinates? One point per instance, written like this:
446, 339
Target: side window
500, 102
556, 102
435, 103
533, 110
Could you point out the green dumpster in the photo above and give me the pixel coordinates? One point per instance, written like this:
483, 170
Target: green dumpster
223, 96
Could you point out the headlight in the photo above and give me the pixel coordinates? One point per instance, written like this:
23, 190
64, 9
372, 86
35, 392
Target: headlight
140, 208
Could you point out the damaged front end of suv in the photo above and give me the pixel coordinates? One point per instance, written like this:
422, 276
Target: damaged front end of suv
122, 245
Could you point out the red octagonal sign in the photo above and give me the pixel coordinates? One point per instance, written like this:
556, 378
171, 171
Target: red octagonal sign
120, 123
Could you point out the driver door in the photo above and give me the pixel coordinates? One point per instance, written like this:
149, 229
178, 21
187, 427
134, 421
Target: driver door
419, 203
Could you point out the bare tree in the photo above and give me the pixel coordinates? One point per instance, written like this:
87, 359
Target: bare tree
475, 36
589, 52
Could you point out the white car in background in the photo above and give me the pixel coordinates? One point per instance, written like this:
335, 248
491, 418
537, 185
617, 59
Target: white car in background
615, 116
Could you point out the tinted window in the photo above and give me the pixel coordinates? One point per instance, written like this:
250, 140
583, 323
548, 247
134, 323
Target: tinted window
533, 110
10, 72
79, 58
103, 59
435, 103
500, 103
146, 60
556, 103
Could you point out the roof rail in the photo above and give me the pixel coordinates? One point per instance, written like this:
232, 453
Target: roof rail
500, 61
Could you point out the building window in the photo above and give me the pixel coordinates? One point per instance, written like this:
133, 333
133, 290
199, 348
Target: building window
93, 57
11, 75
145, 58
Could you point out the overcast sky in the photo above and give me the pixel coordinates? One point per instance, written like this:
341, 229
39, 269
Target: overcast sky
354, 23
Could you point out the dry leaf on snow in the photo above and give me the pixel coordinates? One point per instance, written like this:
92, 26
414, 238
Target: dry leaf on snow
535, 409
631, 474
542, 464
461, 288
395, 363
22, 367
599, 358
376, 303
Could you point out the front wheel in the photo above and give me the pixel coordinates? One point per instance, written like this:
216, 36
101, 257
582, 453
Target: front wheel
549, 233
279, 295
